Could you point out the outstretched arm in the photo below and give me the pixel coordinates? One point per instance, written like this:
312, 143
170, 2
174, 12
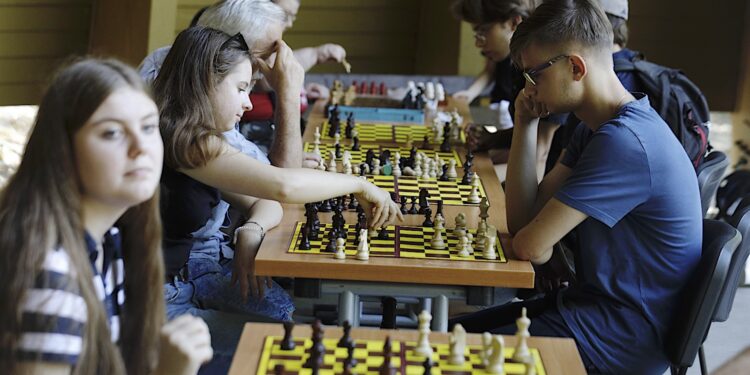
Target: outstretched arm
483, 80
311, 56
235, 172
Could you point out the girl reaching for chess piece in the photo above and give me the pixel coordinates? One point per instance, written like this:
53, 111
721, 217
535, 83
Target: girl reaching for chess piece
201, 91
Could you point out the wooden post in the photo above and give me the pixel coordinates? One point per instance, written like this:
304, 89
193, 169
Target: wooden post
129, 30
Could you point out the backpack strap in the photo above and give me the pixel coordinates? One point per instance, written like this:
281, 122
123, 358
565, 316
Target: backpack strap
624, 65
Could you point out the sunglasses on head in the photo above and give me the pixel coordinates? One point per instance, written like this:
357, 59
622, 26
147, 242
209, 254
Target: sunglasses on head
236, 38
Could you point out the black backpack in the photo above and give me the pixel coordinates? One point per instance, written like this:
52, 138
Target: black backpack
677, 100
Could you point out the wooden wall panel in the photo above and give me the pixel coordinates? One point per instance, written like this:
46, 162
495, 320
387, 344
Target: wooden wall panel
699, 37
35, 37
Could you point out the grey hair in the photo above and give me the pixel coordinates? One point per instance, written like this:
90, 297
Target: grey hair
250, 17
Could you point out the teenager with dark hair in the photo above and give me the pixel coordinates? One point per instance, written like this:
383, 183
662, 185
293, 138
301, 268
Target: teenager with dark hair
624, 181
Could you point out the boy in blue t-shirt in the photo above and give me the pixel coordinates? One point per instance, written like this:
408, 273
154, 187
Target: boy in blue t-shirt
624, 180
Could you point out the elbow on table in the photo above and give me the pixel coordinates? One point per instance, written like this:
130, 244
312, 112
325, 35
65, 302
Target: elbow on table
521, 245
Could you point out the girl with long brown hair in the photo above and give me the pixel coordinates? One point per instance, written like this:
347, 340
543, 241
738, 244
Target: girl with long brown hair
201, 92
80, 237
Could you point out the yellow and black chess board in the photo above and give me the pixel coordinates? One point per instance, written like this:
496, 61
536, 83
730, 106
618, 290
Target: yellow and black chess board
402, 242
380, 132
369, 357
359, 156
451, 192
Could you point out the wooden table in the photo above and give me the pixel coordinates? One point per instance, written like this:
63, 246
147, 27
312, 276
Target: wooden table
407, 275
559, 355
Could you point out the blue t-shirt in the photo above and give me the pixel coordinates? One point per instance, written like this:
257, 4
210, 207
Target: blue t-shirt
640, 243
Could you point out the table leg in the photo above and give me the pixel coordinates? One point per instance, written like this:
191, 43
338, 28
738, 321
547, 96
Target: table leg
440, 314
347, 307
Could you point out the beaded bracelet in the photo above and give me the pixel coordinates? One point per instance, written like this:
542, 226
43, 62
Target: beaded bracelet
243, 227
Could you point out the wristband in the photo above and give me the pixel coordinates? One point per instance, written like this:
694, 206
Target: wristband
257, 227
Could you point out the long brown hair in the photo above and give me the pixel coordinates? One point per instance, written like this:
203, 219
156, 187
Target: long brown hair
40, 210
199, 60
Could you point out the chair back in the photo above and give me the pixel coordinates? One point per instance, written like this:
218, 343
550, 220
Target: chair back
741, 221
709, 177
701, 294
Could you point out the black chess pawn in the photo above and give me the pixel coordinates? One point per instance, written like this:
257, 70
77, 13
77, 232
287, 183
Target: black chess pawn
403, 205
428, 218
349, 125
338, 151
413, 210
355, 144
444, 175
446, 145
440, 208
332, 237
346, 339
468, 175
350, 361
325, 206
387, 368
287, 343
383, 234
278, 369
412, 157
353, 204
426, 143
369, 156
423, 201
363, 168
304, 243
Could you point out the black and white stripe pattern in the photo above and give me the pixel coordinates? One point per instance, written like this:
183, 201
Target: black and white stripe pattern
55, 313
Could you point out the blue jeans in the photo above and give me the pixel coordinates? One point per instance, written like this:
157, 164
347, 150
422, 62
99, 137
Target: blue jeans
225, 328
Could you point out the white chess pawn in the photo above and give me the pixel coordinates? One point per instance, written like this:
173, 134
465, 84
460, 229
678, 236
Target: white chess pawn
322, 164
433, 169
332, 163
376, 167
452, 174
340, 253
481, 233
469, 243
530, 366
423, 347
522, 353
460, 227
397, 170
355, 170
496, 362
439, 92
489, 247
463, 251
336, 138
348, 168
474, 194
363, 248
437, 241
486, 348
425, 169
